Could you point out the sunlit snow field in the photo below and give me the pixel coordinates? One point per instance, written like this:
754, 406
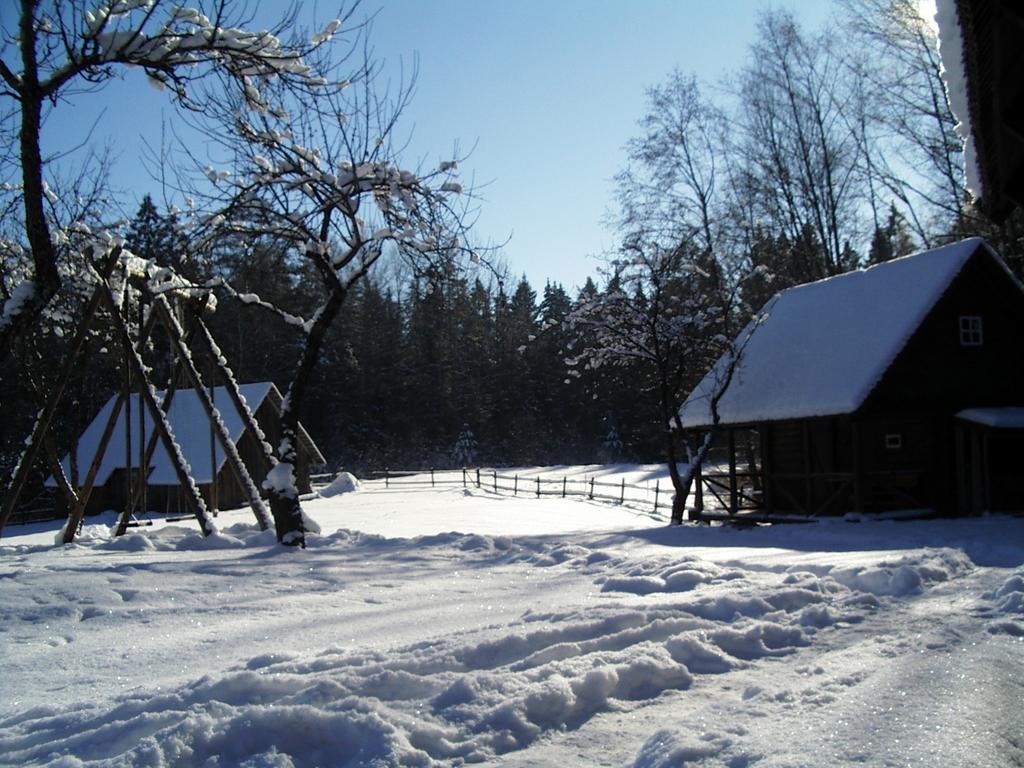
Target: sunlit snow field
451, 625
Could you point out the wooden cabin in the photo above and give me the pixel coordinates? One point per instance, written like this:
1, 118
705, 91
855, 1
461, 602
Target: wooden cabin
897, 387
192, 431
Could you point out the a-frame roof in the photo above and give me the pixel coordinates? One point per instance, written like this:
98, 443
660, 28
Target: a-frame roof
191, 429
821, 348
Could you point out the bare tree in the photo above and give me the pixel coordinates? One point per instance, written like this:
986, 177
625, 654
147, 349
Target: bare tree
657, 317
796, 156
322, 178
59, 47
900, 110
669, 188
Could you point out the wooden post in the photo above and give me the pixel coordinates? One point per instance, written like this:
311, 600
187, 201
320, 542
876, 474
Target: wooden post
657, 489
78, 512
622, 493
42, 425
698, 492
217, 427
808, 488
214, 433
386, 480
464, 477
858, 468
591, 496
515, 485
734, 500
431, 477
143, 465
126, 389
495, 481
538, 486
765, 437
195, 501
563, 486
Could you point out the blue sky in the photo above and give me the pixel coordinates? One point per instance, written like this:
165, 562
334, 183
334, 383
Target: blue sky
547, 94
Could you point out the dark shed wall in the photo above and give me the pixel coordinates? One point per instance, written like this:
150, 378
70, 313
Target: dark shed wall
936, 376
934, 373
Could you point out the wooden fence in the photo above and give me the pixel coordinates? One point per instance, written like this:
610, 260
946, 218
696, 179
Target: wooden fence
536, 486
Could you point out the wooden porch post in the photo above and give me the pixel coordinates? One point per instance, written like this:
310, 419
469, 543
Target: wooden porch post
733, 488
963, 501
858, 468
698, 492
808, 487
765, 436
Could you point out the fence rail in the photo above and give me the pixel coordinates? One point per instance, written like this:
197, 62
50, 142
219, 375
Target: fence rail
537, 486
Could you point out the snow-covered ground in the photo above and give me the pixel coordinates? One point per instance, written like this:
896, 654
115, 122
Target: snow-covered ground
545, 632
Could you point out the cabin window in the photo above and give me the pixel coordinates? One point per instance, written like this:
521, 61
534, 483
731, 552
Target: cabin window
894, 441
970, 331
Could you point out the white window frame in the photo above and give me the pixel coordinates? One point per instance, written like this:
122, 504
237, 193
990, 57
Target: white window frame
971, 333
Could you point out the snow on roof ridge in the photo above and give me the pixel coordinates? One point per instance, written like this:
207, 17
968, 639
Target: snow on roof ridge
957, 244
825, 345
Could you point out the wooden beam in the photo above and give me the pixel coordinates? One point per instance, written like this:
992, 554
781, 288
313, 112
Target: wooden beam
259, 509
808, 485
733, 500
78, 512
231, 386
20, 475
192, 496
858, 468
698, 492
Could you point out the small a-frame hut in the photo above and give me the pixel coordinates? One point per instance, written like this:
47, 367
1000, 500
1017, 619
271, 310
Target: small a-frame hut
897, 387
119, 466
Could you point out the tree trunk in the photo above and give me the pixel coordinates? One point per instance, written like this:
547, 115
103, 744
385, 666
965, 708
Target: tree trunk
280, 484
46, 279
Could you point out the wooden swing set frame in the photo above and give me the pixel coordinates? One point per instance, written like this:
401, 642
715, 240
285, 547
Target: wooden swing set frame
161, 312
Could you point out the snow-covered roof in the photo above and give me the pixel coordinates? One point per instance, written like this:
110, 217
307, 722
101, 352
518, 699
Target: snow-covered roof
823, 346
190, 426
999, 418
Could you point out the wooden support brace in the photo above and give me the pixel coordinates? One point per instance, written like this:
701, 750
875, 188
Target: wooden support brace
230, 450
231, 386
78, 511
195, 501
17, 483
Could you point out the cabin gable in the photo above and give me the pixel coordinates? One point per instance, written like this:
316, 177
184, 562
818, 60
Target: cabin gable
937, 373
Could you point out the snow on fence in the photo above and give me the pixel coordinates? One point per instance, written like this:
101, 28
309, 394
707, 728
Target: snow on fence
537, 486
